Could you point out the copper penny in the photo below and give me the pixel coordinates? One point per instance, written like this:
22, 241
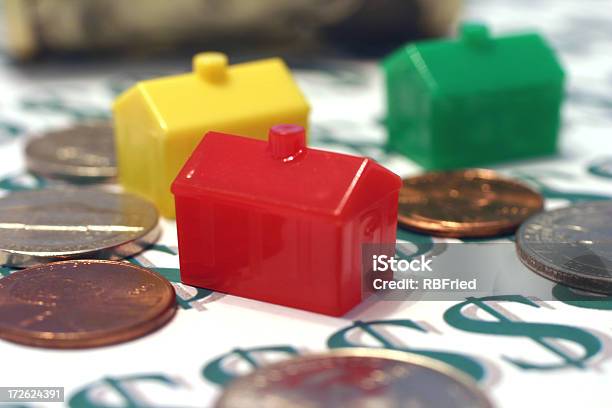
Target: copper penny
466, 203
83, 303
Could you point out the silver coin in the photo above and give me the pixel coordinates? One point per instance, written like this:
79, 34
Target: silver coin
84, 152
57, 224
571, 245
354, 378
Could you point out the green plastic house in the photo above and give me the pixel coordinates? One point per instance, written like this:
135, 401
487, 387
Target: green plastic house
473, 100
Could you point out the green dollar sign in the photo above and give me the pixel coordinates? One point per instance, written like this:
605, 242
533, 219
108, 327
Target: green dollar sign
5, 271
585, 301
601, 168
173, 275
216, 373
129, 399
55, 104
10, 130
464, 363
423, 243
540, 333
22, 182
326, 135
572, 197
163, 249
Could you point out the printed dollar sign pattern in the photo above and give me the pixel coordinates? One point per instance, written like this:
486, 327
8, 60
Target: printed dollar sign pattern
5, 271
543, 334
217, 372
185, 301
553, 193
190, 359
375, 329
120, 387
583, 300
22, 182
601, 168
423, 243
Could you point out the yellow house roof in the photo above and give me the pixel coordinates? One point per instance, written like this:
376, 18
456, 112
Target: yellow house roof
214, 94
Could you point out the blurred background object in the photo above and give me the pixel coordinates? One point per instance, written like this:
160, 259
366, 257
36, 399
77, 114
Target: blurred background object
38, 27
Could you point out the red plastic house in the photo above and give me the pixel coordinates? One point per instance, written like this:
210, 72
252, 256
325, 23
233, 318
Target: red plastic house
279, 222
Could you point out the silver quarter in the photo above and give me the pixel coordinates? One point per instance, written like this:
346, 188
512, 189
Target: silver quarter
48, 225
571, 245
81, 153
354, 378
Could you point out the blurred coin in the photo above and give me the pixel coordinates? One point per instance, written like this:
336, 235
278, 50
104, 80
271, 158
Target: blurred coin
354, 378
78, 304
56, 224
465, 203
81, 153
570, 245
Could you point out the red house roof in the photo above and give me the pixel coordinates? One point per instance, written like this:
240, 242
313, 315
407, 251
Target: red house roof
284, 173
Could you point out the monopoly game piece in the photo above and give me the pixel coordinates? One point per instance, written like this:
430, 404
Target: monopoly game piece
159, 122
282, 223
473, 100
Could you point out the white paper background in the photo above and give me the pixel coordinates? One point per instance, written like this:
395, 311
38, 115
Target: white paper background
347, 108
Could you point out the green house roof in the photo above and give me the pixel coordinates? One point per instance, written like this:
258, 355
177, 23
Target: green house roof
476, 62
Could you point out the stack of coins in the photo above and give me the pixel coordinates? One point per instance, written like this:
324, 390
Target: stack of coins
56, 224
74, 292
355, 378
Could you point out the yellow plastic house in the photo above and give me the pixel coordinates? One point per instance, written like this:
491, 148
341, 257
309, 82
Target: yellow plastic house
159, 122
